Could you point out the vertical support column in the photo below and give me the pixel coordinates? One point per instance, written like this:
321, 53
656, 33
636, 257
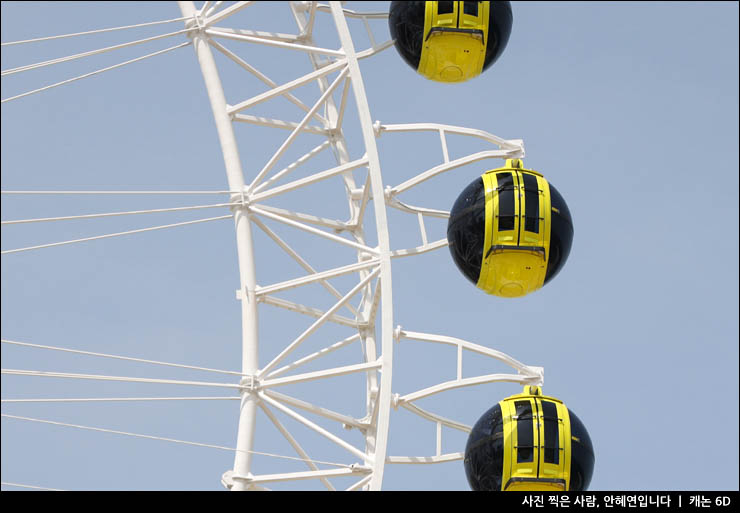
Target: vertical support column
250, 365
368, 135
245, 251
341, 153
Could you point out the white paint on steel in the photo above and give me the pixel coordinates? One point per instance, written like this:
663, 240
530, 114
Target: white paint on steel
372, 262
366, 123
245, 251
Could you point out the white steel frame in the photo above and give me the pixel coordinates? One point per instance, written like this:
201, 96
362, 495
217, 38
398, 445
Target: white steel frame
258, 384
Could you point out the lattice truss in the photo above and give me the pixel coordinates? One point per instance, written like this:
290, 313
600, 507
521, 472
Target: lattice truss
312, 205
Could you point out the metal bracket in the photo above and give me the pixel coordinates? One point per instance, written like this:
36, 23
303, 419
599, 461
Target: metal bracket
227, 479
195, 25
377, 128
397, 333
239, 200
395, 400
249, 383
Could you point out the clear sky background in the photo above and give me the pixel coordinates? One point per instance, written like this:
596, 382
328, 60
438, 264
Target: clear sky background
630, 109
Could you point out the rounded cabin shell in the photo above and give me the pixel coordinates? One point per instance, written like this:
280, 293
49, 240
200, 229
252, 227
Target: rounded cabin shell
450, 41
510, 231
529, 442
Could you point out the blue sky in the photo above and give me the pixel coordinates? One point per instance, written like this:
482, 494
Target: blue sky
630, 109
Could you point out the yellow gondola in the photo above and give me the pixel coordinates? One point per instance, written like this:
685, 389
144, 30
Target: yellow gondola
510, 231
529, 442
450, 41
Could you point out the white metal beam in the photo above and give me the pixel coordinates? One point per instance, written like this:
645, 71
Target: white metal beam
279, 123
326, 373
467, 382
245, 250
289, 86
223, 14
311, 357
304, 405
293, 165
295, 476
417, 460
433, 417
264, 78
510, 144
308, 180
377, 444
296, 131
316, 325
419, 249
296, 446
307, 310
307, 218
476, 348
318, 429
275, 36
331, 273
272, 42
368, 250
302, 262
448, 166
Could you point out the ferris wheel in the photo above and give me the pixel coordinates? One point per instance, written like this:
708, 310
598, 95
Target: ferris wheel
323, 368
